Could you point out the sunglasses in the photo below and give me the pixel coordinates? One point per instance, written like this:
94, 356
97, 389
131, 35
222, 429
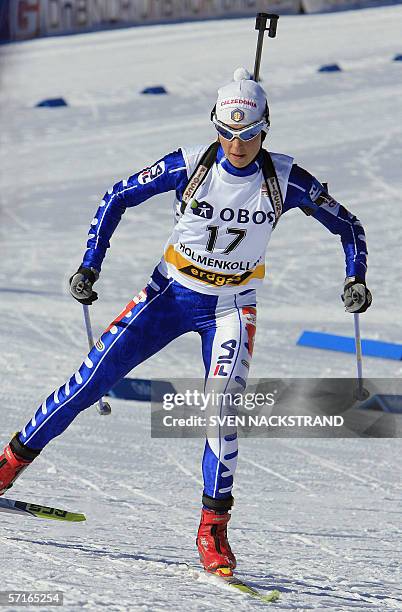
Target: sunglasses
247, 133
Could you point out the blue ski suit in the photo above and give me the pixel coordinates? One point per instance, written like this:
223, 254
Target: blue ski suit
206, 282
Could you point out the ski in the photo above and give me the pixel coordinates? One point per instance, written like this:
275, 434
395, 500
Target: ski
226, 575
19, 507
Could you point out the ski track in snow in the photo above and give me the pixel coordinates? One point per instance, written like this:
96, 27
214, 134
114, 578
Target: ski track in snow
318, 519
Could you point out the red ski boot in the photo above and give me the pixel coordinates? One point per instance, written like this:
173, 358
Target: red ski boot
212, 541
13, 461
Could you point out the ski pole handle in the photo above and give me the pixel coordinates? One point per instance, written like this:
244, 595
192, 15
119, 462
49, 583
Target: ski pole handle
102, 407
261, 26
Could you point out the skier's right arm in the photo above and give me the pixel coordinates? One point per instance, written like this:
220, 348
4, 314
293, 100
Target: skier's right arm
167, 174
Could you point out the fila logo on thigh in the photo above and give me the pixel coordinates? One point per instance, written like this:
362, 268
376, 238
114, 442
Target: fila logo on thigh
225, 360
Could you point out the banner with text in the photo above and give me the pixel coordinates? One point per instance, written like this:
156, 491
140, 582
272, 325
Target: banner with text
35, 18
26, 19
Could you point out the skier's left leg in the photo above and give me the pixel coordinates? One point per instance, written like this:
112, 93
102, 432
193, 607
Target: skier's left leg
227, 350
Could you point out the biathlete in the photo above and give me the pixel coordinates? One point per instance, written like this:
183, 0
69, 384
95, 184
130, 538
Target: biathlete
229, 198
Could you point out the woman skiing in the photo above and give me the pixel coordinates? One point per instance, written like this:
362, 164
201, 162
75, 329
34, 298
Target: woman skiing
229, 198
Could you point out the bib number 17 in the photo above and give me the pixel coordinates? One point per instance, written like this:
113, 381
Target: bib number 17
213, 230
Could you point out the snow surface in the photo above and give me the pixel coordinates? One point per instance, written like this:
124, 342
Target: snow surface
318, 519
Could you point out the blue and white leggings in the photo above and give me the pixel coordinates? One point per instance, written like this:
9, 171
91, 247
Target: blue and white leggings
163, 311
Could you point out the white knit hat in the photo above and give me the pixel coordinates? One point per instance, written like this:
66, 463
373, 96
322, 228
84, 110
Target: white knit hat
241, 102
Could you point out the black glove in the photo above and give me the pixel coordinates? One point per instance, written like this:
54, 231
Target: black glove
356, 296
81, 285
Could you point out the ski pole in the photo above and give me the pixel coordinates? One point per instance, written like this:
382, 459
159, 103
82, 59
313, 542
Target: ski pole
361, 392
261, 26
102, 406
